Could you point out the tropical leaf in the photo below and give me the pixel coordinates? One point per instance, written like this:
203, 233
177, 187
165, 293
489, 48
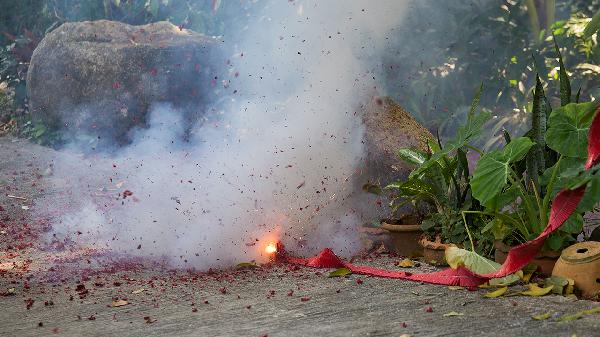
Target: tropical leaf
490, 176
593, 26
565, 84
411, 156
568, 129
458, 257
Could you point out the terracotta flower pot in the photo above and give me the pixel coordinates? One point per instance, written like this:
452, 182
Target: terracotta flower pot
434, 252
405, 236
545, 260
581, 263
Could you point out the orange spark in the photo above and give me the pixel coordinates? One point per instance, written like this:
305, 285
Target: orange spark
271, 248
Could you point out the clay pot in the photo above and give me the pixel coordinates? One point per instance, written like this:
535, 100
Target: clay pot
545, 260
434, 252
581, 263
405, 236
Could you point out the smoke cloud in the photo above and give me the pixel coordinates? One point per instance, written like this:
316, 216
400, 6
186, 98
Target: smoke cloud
275, 160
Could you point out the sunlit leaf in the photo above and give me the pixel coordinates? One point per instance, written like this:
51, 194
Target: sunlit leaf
458, 257
568, 129
411, 156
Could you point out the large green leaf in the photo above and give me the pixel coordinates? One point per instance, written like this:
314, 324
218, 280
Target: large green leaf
458, 257
593, 26
490, 176
573, 225
568, 129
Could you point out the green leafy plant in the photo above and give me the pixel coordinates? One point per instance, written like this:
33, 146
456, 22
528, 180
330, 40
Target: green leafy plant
517, 183
439, 189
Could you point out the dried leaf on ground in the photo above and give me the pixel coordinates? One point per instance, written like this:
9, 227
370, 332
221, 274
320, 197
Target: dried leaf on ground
496, 293
535, 290
580, 314
542, 317
119, 303
138, 291
561, 285
340, 272
406, 263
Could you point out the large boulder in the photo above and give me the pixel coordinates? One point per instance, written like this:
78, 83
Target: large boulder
102, 76
388, 128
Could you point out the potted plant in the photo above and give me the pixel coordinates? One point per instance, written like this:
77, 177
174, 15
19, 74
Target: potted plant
438, 189
516, 183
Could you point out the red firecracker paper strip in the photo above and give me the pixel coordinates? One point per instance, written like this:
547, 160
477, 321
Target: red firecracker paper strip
563, 207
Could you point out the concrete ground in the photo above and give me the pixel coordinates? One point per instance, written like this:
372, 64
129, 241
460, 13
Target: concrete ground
71, 292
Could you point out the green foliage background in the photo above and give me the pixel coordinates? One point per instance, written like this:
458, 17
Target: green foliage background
440, 53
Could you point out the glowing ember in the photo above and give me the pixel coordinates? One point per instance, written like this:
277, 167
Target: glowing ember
271, 248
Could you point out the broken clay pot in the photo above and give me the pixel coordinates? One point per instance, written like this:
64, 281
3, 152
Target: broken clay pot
581, 262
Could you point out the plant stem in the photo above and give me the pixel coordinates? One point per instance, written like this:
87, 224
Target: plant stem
468, 231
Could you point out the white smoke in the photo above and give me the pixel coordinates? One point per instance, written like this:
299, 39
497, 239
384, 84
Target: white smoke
277, 165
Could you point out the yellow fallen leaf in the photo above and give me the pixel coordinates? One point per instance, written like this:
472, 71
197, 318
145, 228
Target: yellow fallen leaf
119, 303
7, 266
580, 314
535, 290
137, 291
496, 293
406, 263
526, 277
542, 317
453, 313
